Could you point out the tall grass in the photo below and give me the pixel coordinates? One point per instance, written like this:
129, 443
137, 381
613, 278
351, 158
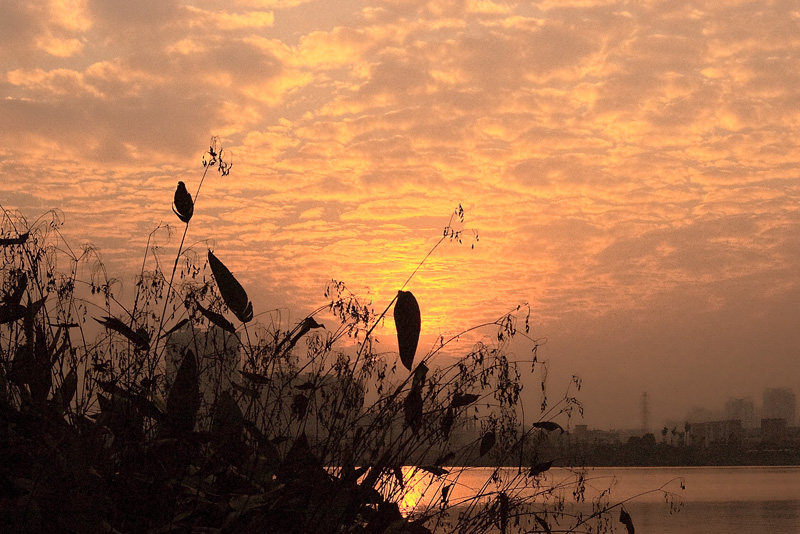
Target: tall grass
183, 411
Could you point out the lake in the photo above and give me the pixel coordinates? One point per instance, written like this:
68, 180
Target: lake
724, 500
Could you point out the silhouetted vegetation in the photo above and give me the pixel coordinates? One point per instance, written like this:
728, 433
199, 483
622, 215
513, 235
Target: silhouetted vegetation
187, 410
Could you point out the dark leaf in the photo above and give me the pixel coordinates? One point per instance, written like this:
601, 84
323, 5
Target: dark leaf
175, 328
14, 296
138, 338
68, 388
13, 312
434, 470
548, 425
625, 519
538, 469
183, 205
228, 421
398, 475
408, 321
217, 319
21, 239
543, 524
305, 386
412, 407
300, 330
299, 405
184, 397
463, 399
446, 423
420, 373
487, 442
255, 378
446, 458
233, 293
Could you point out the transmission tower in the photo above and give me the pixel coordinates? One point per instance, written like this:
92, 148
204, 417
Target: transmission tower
645, 413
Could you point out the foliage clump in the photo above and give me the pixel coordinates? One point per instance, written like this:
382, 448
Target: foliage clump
165, 415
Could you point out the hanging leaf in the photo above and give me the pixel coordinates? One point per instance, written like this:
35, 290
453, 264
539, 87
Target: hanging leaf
182, 203
548, 425
228, 421
139, 338
68, 388
184, 397
463, 399
300, 330
299, 405
13, 312
435, 470
538, 469
625, 519
408, 322
446, 423
543, 524
255, 378
233, 293
20, 240
413, 409
216, 318
487, 442
14, 295
445, 458
175, 328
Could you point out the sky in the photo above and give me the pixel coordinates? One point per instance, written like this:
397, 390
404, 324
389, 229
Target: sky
630, 168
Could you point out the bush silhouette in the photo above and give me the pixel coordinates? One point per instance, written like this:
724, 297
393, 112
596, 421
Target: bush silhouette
186, 414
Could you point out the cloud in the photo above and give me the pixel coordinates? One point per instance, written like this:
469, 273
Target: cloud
625, 165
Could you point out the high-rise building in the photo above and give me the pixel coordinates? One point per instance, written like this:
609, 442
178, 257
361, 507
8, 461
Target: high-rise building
743, 410
780, 403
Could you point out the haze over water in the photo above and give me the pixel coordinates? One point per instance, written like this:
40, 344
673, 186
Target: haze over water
631, 167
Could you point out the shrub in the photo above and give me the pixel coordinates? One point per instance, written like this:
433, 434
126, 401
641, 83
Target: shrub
187, 414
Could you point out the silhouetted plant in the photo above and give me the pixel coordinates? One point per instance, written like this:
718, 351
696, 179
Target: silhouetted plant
168, 421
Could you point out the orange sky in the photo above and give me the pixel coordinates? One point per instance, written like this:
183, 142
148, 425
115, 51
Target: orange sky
630, 166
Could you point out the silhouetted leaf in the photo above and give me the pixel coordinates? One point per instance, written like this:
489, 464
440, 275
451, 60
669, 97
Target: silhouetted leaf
434, 470
412, 407
299, 405
445, 458
13, 312
446, 423
68, 388
182, 203
487, 442
175, 328
20, 240
548, 425
626, 520
228, 421
543, 524
217, 319
305, 386
408, 321
299, 331
233, 293
14, 295
463, 399
138, 338
184, 397
255, 378
538, 469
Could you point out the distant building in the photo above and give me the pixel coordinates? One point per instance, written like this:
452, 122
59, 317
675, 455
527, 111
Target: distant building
710, 433
774, 430
780, 403
743, 410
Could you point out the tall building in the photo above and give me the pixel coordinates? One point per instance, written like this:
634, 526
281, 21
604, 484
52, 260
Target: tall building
743, 410
780, 403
